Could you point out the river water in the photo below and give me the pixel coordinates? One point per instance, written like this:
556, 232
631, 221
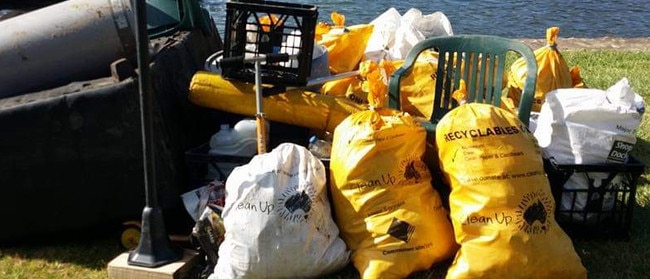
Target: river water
514, 19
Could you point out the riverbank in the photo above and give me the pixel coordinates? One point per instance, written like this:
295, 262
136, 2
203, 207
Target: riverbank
604, 43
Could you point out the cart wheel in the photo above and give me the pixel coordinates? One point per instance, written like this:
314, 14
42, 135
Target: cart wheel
130, 237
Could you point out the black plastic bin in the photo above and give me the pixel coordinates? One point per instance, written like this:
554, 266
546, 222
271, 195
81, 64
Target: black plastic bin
204, 167
602, 207
199, 162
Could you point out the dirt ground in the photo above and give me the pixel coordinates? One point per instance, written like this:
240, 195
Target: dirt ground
604, 43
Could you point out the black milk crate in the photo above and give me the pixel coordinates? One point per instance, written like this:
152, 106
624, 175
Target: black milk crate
602, 206
203, 167
250, 33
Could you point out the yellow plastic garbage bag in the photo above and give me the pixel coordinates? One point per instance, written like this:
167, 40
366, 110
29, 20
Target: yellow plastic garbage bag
372, 76
388, 213
268, 21
417, 88
295, 107
501, 205
345, 45
338, 87
338, 21
552, 72
576, 78
321, 28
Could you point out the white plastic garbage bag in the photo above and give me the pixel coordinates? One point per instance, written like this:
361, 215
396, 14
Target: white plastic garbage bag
601, 201
278, 220
406, 35
589, 126
383, 35
394, 34
434, 24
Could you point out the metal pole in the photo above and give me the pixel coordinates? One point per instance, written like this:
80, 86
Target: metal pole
154, 248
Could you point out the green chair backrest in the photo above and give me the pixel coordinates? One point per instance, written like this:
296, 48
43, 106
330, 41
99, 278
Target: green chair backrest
477, 59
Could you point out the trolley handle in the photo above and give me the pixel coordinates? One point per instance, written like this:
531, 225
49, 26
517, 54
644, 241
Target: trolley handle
238, 61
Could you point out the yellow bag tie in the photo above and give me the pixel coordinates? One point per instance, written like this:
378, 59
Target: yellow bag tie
338, 19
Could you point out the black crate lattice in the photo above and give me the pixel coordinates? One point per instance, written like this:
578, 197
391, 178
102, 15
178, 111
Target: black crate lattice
255, 28
603, 205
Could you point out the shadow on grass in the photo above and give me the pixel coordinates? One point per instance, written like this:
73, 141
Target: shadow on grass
641, 151
438, 271
613, 258
622, 258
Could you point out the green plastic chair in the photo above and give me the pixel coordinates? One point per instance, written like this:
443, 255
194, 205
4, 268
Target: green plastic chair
472, 52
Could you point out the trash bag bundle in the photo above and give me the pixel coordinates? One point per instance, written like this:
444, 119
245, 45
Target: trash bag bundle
501, 205
371, 74
278, 219
552, 72
388, 212
416, 88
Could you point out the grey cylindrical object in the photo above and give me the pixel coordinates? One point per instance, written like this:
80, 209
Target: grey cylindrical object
69, 41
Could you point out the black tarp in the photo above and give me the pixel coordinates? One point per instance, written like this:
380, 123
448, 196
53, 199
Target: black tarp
71, 157
70, 160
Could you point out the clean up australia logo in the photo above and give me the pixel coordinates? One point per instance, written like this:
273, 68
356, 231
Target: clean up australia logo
534, 212
295, 202
413, 169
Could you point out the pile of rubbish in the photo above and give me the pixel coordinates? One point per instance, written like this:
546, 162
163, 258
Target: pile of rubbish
374, 204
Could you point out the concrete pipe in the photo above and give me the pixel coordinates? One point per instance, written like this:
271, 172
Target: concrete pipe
70, 41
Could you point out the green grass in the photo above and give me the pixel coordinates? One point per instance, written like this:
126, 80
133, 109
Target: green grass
603, 259
621, 259
79, 258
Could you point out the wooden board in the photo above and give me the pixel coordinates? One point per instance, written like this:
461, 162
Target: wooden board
119, 268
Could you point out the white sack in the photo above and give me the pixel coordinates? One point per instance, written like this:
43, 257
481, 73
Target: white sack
278, 220
583, 203
589, 126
